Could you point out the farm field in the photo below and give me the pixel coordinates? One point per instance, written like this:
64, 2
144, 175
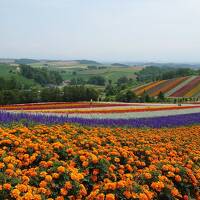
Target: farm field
105, 114
109, 73
178, 87
102, 151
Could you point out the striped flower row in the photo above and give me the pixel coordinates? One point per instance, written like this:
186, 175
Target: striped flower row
177, 87
122, 109
154, 122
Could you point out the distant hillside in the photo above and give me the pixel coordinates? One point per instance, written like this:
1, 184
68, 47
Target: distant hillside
88, 62
7, 61
186, 87
174, 65
7, 71
26, 61
119, 64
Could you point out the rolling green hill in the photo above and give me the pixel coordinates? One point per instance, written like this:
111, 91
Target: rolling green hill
7, 71
109, 73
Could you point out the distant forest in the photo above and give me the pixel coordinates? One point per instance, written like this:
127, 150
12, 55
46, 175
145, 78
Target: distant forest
152, 73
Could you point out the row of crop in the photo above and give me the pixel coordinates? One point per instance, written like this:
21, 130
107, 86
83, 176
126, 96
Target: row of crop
157, 87
71, 162
182, 91
60, 106
193, 92
146, 88
117, 110
169, 85
186, 118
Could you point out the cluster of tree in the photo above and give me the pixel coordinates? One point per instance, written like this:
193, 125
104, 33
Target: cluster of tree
53, 94
88, 62
130, 96
41, 75
124, 80
11, 84
96, 80
152, 73
77, 81
122, 84
92, 67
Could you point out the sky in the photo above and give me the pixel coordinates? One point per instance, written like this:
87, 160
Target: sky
102, 30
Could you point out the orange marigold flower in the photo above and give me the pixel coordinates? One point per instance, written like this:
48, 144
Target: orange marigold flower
15, 193
7, 186
110, 186
174, 192
55, 175
121, 184
43, 174
63, 191
147, 175
117, 160
110, 197
68, 185
85, 163
127, 194
94, 159
100, 196
2, 165
48, 178
10, 166
60, 198
43, 184
61, 169
130, 169
158, 186
22, 187
82, 158
143, 196
178, 178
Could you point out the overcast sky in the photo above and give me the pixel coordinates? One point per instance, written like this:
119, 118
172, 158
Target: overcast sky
104, 30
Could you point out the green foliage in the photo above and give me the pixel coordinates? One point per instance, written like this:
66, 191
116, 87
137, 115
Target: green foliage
127, 96
77, 81
122, 80
79, 93
161, 96
41, 75
97, 80
152, 73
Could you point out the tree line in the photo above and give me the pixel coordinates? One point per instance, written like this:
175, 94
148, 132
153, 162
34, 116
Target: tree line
152, 73
51, 94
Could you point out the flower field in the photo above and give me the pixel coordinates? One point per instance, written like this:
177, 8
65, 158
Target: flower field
103, 114
72, 162
100, 151
176, 87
